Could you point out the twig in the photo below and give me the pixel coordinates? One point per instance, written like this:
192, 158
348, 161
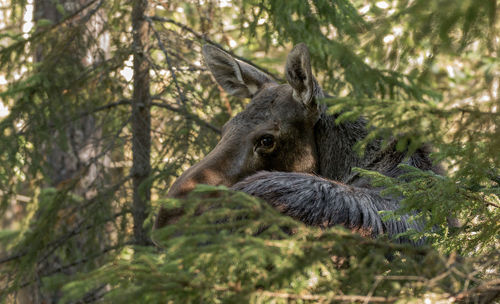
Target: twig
102, 108
378, 279
310, 297
194, 117
204, 38
94, 10
81, 261
165, 105
484, 293
18, 197
13, 257
53, 26
86, 259
77, 229
182, 97
402, 278
83, 114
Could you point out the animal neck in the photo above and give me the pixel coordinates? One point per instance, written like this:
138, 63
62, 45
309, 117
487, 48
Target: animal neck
336, 156
335, 146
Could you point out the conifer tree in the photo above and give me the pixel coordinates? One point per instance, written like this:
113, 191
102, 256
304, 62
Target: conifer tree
145, 108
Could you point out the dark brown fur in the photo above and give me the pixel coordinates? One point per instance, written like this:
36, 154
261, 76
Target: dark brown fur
281, 144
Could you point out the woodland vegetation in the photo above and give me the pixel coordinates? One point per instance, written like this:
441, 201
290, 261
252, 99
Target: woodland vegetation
104, 103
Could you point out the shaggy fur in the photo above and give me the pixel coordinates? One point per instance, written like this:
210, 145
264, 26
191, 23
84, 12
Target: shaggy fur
320, 202
342, 197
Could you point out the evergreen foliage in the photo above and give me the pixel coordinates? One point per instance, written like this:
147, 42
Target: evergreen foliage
419, 71
241, 250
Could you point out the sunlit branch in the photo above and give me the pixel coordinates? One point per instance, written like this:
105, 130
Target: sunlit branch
194, 117
182, 97
207, 40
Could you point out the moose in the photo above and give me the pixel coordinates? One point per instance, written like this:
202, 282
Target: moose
285, 149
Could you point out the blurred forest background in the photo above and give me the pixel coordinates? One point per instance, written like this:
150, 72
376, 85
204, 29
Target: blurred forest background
104, 103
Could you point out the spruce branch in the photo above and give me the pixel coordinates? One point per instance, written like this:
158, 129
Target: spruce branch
209, 41
79, 262
308, 297
182, 97
196, 118
484, 293
40, 33
79, 228
164, 104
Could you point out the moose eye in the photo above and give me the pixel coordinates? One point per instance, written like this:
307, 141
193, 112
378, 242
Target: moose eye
266, 141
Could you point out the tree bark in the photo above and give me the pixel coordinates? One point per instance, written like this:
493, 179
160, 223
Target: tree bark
141, 122
79, 161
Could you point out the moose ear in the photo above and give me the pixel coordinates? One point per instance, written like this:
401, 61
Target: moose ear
299, 75
235, 77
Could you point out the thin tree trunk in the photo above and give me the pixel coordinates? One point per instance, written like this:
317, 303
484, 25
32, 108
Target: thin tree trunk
141, 122
76, 161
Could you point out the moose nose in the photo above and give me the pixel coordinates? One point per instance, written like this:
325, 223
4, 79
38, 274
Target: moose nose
193, 176
197, 174
217, 168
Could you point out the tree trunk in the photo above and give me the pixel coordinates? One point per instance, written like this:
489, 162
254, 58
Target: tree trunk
79, 161
141, 122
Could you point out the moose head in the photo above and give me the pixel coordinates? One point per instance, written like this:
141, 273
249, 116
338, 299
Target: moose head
285, 134
275, 131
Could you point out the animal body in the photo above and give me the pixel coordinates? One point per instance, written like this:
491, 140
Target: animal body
286, 150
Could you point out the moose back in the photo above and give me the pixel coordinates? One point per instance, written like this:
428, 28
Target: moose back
286, 150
